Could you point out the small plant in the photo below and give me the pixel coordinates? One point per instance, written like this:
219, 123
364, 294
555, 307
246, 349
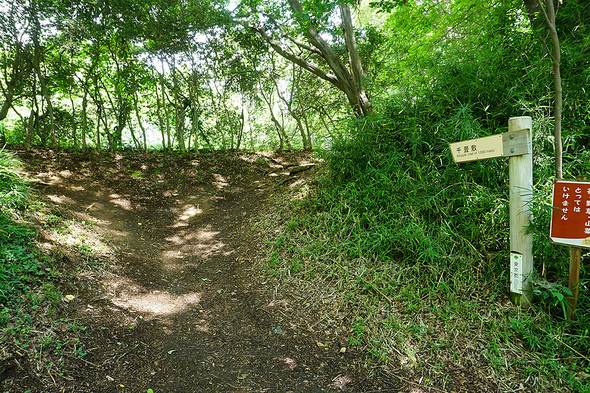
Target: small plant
552, 295
261, 161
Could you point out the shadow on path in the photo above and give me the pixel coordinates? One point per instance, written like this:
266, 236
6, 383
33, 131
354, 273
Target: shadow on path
183, 310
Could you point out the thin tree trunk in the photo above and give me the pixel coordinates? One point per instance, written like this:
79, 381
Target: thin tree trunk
29, 137
135, 140
306, 134
159, 114
165, 105
32, 116
137, 114
241, 123
18, 72
45, 92
549, 13
86, 88
74, 128
84, 118
37, 67
194, 97
98, 114
278, 125
179, 112
289, 104
105, 117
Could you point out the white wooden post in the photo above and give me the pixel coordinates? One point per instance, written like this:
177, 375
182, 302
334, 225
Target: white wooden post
521, 195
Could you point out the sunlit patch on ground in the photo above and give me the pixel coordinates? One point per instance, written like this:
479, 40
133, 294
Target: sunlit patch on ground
290, 363
61, 199
189, 211
341, 381
220, 181
200, 242
123, 203
131, 296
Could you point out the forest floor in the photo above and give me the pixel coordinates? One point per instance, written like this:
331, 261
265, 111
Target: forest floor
163, 286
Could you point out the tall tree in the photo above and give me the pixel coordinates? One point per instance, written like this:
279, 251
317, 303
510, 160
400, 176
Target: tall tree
15, 60
316, 54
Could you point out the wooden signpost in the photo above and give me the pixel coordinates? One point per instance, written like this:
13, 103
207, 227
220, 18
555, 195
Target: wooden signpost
516, 144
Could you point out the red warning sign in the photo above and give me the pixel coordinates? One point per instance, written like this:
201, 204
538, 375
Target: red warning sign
570, 219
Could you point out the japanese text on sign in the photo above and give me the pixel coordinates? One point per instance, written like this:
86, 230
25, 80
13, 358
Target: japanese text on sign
516, 276
477, 149
570, 219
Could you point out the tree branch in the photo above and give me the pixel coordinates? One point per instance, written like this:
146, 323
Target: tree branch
296, 59
292, 39
544, 11
331, 57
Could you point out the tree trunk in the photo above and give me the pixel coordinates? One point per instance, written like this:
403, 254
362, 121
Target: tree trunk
32, 116
549, 13
74, 128
178, 111
138, 116
109, 135
351, 83
356, 67
241, 124
132, 132
84, 118
98, 114
289, 104
278, 126
159, 114
194, 97
29, 137
165, 105
85, 86
44, 90
37, 67
306, 134
18, 72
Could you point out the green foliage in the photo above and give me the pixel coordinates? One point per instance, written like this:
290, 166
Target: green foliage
20, 263
12, 188
415, 240
396, 224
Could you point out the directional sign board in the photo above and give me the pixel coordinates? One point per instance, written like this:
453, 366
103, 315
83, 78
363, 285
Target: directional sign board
478, 149
570, 219
508, 144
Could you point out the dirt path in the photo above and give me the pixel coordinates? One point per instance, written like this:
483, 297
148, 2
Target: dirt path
183, 309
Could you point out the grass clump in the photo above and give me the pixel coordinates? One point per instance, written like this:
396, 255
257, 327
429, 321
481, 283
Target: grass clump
416, 250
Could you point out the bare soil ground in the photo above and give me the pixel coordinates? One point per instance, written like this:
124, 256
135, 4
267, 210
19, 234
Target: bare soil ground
165, 289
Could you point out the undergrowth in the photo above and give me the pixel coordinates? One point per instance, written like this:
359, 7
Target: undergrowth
35, 330
22, 266
27, 295
417, 249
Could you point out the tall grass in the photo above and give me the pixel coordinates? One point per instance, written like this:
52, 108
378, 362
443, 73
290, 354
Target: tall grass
418, 248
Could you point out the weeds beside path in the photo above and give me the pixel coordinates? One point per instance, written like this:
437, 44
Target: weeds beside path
160, 287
